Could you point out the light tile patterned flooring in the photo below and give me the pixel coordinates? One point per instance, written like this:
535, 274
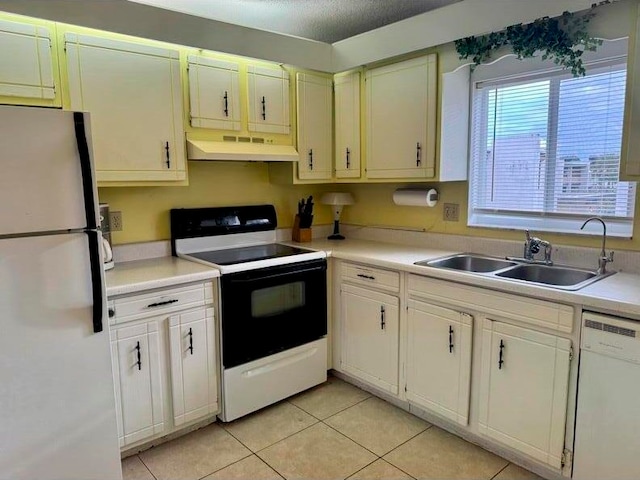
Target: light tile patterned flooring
333, 431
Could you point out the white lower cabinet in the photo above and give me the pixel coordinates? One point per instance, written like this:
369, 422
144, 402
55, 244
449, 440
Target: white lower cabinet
165, 360
523, 390
439, 360
370, 325
137, 362
193, 365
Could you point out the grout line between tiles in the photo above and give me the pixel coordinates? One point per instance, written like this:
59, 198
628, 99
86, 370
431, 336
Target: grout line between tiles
348, 438
145, 466
271, 467
501, 470
406, 441
339, 411
370, 463
283, 439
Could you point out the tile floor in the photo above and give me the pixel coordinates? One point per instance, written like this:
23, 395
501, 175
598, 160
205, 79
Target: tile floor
333, 431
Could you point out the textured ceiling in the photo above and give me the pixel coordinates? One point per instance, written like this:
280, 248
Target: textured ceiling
323, 20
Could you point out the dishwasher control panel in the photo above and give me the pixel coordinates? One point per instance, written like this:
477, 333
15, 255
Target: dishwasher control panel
611, 336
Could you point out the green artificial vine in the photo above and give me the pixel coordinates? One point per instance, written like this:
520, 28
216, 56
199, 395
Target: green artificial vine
563, 39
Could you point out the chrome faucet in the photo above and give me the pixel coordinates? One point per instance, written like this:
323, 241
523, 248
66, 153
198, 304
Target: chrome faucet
603, 259
532, 246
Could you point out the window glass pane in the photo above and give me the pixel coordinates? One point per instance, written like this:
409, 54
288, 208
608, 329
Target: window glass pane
549, 147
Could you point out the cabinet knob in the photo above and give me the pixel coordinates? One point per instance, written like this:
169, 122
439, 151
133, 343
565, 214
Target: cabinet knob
112, 313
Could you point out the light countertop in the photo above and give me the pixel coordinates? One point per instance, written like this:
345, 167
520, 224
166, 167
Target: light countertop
617, 294
139, 275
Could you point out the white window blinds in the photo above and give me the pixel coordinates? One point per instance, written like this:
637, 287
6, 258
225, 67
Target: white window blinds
545, 152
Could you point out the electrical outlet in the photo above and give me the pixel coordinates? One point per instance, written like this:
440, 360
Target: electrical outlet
115, 221
451, 212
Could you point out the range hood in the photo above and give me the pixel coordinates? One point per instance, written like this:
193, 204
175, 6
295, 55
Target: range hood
243, 151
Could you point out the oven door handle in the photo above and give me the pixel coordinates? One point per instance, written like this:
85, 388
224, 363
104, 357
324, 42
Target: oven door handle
278, 275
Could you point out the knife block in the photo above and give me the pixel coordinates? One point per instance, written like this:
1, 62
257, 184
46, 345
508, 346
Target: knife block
300, 234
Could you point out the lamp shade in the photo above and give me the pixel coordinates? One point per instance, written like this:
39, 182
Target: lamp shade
337, 198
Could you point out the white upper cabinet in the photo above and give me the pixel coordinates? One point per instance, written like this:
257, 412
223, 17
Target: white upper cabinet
214, 93
401, 119
26, 66
268, 99
314, 126
134, 95
523, 390
630, 158
193, 365
347, 126
439, 360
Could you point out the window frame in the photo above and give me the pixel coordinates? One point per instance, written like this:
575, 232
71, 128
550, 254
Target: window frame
541, 221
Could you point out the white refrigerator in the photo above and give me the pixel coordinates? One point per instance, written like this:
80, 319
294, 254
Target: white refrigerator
57, 407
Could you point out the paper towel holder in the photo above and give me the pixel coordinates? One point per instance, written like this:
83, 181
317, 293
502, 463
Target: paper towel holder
416, 197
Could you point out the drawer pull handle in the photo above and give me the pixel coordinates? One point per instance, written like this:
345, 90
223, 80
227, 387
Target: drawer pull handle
166, 149
191, 341
500, 357
382, 319
138, 354
450, 339
160, 304
264, 108
311, 159
418, 154
368, 277
226, 104
112, 313
348, 159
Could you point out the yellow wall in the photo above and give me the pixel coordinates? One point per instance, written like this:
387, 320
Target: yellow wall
145, 210
374, 207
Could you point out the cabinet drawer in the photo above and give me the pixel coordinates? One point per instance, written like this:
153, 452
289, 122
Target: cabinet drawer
161, 302
363, 275
542, 313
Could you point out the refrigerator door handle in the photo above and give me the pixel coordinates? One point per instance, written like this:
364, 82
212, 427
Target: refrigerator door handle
95, 243
87, 171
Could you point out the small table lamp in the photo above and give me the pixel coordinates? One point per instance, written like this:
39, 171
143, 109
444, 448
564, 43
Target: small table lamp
337, 200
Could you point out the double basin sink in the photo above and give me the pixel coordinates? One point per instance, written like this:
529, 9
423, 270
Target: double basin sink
565, 278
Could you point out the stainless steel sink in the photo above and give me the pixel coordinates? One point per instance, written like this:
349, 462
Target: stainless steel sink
559, 277
565, 278
468, 262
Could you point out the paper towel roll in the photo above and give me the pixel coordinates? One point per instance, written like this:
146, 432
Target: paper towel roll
416, 197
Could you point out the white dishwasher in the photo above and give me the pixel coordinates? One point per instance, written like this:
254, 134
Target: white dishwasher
607, 444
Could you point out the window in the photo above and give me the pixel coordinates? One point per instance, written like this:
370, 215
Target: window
545, 152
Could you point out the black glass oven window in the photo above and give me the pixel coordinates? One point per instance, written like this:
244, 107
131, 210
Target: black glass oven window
277, 300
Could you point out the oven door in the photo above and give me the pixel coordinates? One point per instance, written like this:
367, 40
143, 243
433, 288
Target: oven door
269, 310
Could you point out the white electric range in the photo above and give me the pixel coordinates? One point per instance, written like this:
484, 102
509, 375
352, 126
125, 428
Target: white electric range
272, 303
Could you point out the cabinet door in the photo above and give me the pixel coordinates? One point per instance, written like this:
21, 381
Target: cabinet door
314, 126
26, 59
630, 156
370, 322
523, 390
401, 119
136, 356
439, 360
214, 93
347, 128
268, 100
193, 365
134, 96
